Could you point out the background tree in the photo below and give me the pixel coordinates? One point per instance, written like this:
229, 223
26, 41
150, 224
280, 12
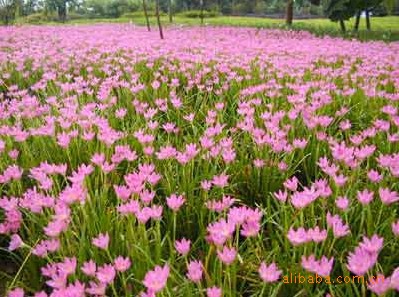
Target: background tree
368, 6
364, 6
61, 6
29, 7
7, 11
340, 11
389, 6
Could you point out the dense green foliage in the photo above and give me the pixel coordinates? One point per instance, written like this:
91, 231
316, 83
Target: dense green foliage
183, 11
9, 9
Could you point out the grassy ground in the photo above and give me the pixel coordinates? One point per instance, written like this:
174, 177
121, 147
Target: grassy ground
383, 28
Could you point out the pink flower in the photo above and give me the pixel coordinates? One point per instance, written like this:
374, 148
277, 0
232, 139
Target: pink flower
220, 231
317, 235
342, 203
360, 261
322, 267
148, 150
156, 212
55, 227
15, 242
395, 228
98, 159
189, 117
372, 245
122, 264
298, 237
214, 292
183, 246
101, 241
259, 163
227, 255
155, 280
339, 228
194, 271
106, 274
57, 281
302, 199
250, 228
374, 176
155, 84
340, 180
220, 206
269, 273
166, 152
281, 196
206, 185
89, 268
394, 279
365, 196
52, 245
147, 196
18, 292
220, 180
379, 284
282, 166
120, 113
68, 267
291, 184
237, 215
96, 289
387, 196
174, 202
122, 192
13, 154
299, 143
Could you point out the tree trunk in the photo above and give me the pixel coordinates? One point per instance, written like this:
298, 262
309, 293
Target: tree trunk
146, 16
158, 18
368, 25
289, 14
342, 25
170, 11
62, 11
202, 12
357, 21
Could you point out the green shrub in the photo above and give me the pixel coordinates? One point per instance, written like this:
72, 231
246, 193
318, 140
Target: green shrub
36, 18
316, 10
193, 14
260, 8
76, 16
132, 15
140, 14
41, 18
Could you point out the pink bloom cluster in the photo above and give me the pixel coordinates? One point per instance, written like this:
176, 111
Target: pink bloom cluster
212, 162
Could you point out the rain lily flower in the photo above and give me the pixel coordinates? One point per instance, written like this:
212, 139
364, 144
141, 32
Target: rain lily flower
269, 273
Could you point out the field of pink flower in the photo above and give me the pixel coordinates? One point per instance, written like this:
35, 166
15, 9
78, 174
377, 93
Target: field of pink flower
213, 163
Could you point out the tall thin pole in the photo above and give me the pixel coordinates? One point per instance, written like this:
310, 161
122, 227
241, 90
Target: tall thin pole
289, 12
170, 11
368, 24
146, 15
202, 11
158, 19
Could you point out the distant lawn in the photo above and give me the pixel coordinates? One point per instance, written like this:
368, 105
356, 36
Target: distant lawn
383, 28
